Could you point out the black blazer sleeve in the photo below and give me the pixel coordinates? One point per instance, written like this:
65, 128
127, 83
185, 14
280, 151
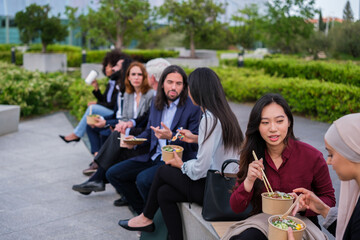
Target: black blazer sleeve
101, 98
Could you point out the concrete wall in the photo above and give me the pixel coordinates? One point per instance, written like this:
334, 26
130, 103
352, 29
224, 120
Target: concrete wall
45, 62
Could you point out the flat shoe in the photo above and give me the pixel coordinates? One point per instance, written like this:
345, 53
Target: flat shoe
148, 228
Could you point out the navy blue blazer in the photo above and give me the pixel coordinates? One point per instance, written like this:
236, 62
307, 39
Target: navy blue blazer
186, 116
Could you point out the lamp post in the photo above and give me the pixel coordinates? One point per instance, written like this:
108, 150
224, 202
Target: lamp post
13, 59
83, 52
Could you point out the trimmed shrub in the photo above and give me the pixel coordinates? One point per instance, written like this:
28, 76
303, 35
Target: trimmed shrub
348, 73
36, 93
324, 101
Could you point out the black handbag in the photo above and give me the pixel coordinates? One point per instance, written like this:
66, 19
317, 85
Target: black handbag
216, 205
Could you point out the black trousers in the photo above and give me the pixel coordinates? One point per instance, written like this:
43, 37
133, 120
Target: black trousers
171, 186
111, 153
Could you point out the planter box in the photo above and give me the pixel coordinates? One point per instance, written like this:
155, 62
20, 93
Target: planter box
9, 118
45, 62
204, 58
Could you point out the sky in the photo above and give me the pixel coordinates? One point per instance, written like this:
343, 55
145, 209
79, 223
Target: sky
334, 8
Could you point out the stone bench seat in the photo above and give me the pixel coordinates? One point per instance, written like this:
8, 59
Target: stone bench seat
9, 118
195, 227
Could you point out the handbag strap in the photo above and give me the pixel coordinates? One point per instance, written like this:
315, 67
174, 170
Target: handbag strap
226, 163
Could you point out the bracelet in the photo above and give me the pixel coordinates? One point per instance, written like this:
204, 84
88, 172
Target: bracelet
183, 168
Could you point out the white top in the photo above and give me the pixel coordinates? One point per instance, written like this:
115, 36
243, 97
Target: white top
211, 154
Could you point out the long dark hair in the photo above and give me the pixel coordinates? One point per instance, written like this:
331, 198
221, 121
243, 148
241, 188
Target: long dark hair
254, 141
144, 88
207, 92
161, 98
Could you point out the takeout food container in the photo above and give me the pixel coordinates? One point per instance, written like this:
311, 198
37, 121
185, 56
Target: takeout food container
90, 119
275, 206
276, 233
167, 155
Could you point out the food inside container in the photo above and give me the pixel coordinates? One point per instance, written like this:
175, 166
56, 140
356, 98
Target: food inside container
278, 227
172, 148
286, 223
280, 195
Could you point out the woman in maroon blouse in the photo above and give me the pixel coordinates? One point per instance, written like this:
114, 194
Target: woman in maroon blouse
287, 162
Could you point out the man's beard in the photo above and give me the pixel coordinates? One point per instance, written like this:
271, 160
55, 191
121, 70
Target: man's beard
172, 99
116, 75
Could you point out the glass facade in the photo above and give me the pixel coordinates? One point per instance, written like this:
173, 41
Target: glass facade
8, 8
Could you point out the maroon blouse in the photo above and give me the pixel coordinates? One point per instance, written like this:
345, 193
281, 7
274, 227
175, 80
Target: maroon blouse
303, 166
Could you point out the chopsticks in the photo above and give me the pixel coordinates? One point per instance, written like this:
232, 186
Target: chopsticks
265, 180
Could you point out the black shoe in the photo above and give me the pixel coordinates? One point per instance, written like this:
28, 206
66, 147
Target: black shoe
121, 202
67, 141
148, 228
89, 186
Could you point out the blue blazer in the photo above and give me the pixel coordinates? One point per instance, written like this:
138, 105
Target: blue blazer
186, 116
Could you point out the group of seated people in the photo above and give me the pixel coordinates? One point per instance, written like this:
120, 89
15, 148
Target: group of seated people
159, 101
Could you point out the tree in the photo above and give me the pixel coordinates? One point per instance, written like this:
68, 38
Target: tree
117, 21
348, 13
35, 22
287, 25
248, 25
322, 25
345, 38
193, 17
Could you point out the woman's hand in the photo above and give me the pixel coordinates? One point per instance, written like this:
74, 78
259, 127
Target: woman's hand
189, 137
95, 85
290, 234
176, 161
254, 172
310, 201
122, 126
162, 133
91, 103
100, 123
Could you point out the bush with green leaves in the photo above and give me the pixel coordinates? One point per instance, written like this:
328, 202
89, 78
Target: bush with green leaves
80, 95
324, 101
36, 93
348, 73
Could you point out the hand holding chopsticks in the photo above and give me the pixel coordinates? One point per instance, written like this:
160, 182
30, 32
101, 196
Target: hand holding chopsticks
265, 180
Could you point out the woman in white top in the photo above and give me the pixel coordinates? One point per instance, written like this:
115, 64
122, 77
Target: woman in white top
219, 138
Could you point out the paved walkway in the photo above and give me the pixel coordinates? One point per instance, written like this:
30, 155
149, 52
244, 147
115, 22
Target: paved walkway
37, 170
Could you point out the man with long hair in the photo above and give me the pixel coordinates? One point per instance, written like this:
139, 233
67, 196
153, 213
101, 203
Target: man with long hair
171, 109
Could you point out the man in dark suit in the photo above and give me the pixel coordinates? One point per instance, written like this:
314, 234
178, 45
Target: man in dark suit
171, 109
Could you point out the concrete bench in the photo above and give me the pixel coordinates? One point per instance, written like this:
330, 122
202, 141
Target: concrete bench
195, 227
9, 118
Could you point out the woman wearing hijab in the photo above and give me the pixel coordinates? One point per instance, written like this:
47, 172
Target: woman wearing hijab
342, 141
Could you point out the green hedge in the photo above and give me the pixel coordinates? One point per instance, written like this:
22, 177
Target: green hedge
81, 94
35, 92
324, 101
348, 73
39, 93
